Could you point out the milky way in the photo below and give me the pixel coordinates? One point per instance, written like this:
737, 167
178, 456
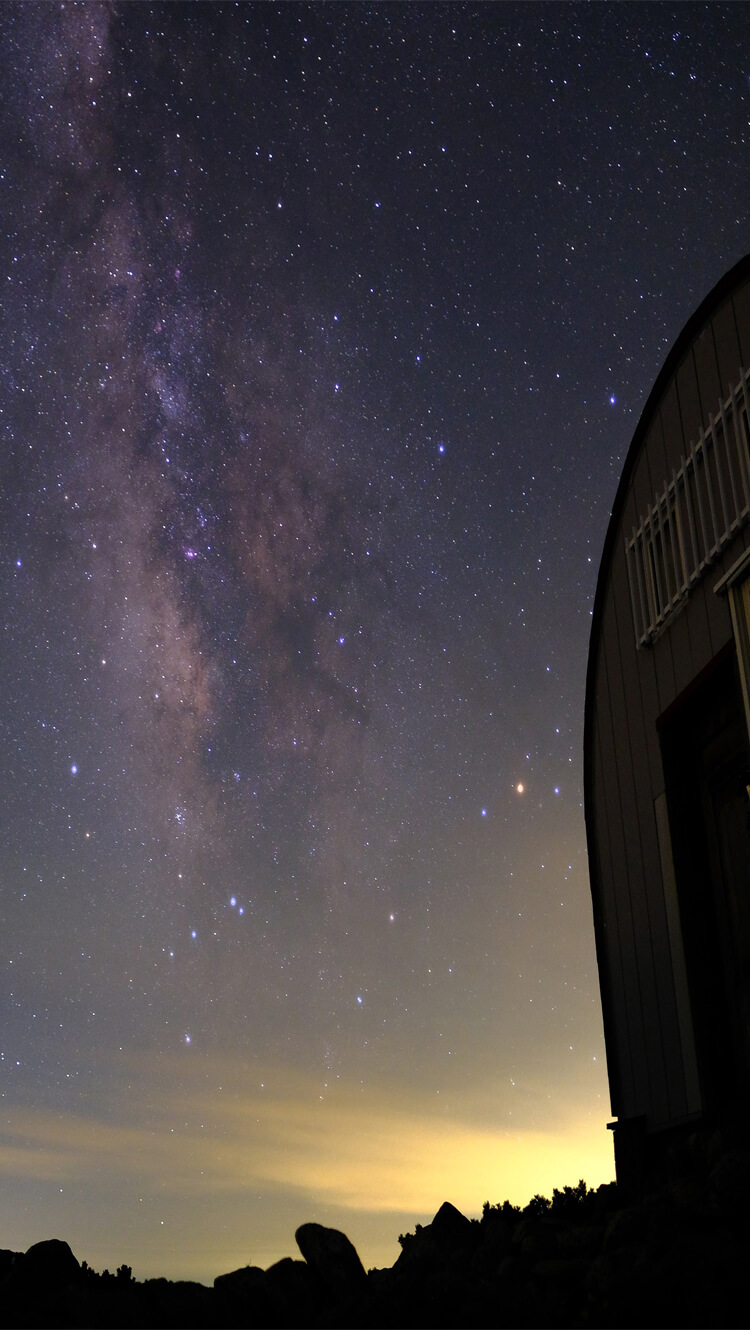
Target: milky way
326, 328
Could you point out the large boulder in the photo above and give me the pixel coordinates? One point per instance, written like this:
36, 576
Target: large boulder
165, 1303
243, 1297
495, 1245
241, 1283
294, 1293
333, 1258
429, 1248
450, 1229
8, 1259
42, 1285
51, 1261
44, 1268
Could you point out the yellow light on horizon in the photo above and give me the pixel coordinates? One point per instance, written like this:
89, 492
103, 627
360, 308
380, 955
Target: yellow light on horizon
270, 1163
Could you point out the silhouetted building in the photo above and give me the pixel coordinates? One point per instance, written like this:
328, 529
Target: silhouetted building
667, 757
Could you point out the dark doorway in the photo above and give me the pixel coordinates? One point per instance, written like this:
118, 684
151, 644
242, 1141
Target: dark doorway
707, 771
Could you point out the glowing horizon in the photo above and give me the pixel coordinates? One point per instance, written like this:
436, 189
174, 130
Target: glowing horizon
326, 330
355, 1155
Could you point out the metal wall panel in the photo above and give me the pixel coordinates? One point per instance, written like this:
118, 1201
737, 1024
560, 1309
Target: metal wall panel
647, 1008
717, 609
641, 987
657, 987
710, 387
701, 650
637, 1092
692, 417
726, 343
611, 930
741, 304
675, 439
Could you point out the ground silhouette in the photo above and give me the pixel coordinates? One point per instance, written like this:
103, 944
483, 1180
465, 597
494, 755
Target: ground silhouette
674, 1257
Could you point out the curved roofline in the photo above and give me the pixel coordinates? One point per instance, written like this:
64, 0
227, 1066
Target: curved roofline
716, 296
695, 323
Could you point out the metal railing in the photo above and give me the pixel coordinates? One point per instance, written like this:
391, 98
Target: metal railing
693, 518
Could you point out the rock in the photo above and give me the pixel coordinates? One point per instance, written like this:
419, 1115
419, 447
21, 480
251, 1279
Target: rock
51, 1260
612, 1271
240, 1283
294, 1292
580, 1240
730, 1178
524, 1228
243, 1298
510, 1269
42, 1286
47, 1267
451, 1229
429, 1247
660, 1261
7, 1260
561, 1272
495, 1244
626, 1228
333, 1258
420, 1251
539, 1243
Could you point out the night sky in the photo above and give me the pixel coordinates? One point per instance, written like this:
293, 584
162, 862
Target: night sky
325, 331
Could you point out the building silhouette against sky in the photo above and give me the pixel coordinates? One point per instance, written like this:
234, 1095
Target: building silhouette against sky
667, 756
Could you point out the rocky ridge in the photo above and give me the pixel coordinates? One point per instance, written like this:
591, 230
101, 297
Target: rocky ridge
586, 1258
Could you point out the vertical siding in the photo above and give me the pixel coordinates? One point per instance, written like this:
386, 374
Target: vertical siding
681, 652
671, 423
649, 1027
636, 1090
633, 700
639, 919
729, 357
691, 1101
722, 618
636, 729
741, 305
707, 372
649, 477
701, 650
717, 612
614, 927
692, 417
650, 707
686, 646
623, 705
653, 468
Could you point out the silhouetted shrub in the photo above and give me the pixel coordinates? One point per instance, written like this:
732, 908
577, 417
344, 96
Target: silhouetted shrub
538, 1206
405, 1238
570, 1201
508, 1211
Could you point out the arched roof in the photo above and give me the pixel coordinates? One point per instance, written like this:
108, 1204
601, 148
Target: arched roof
724, 288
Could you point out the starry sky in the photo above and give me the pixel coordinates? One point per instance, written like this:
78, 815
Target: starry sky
325, 331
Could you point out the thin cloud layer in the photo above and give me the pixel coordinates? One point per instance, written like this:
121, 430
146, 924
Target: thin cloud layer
382, 1152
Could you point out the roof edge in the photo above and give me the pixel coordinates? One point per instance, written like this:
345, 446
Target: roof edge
700, 316
716, 296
